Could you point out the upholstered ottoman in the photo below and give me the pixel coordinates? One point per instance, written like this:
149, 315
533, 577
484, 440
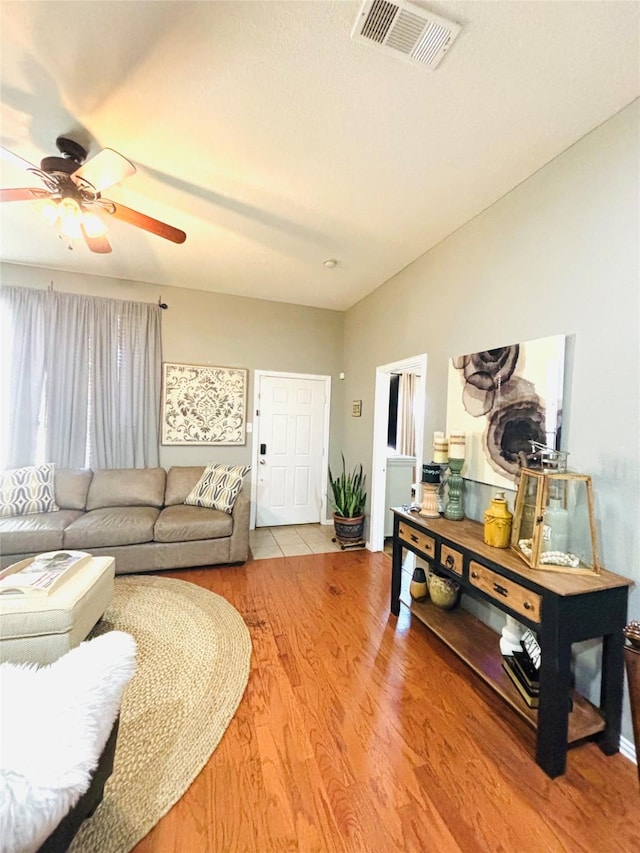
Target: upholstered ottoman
40, 629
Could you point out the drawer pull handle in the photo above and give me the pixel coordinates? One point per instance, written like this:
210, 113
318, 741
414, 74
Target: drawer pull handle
527, 606
449, 562
501, 590
474, 574
414, 538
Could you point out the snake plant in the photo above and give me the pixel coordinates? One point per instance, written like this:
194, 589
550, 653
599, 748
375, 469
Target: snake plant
348, 494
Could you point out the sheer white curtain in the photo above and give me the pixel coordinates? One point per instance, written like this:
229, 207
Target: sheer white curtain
406, 438
23, 345
85, 372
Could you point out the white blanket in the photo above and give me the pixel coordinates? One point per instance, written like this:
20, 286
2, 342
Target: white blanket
54, 723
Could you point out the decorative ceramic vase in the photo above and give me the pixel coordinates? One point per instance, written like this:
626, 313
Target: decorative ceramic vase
510, 636
444, 592
418, 588
497, 523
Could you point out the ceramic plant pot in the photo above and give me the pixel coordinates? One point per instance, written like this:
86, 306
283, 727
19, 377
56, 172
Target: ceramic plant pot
348, 529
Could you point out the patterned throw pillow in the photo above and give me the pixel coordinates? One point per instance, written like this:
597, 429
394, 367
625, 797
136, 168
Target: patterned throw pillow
24, 491
218, 487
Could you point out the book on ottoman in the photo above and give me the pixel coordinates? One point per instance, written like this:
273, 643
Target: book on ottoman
41, 574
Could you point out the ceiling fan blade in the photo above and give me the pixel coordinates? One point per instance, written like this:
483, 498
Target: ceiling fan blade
15, 158
23, 194
141, 220
99, 245
105, 169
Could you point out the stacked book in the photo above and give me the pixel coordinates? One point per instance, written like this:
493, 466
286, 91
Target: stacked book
522, 670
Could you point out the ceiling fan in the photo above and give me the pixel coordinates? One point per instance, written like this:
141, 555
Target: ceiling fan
73, 192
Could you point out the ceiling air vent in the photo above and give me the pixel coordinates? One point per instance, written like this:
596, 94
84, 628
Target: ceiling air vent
405, 29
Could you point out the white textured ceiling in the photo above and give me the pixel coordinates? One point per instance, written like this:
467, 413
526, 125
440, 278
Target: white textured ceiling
275, 141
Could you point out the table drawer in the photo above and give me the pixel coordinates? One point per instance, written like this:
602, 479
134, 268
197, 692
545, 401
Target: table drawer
451, 559
417, 539
516, 597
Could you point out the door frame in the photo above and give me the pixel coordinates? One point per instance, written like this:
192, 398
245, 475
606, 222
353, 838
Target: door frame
416, 364
324, 481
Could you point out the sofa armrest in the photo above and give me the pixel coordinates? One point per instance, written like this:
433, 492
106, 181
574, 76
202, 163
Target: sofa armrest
239, 546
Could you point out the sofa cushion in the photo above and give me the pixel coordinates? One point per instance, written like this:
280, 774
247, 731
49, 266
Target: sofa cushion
218, 487
24, 491
72, 487
126, 487
189, 523
33, 534
111, 526
180, 481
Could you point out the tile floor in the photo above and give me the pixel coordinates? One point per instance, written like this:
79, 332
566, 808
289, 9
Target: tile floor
295, 539
291, 540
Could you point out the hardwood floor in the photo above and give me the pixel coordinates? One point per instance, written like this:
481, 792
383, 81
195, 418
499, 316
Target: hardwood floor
359, 732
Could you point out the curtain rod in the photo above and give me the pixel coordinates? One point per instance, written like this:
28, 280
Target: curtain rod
161, 304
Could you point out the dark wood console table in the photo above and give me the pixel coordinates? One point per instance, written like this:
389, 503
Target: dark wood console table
561, 608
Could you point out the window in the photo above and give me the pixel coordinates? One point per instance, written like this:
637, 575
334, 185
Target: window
80, 380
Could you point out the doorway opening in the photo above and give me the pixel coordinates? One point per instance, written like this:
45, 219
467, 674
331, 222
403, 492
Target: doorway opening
394, 469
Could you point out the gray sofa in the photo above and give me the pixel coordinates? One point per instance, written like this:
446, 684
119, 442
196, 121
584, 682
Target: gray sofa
136, 515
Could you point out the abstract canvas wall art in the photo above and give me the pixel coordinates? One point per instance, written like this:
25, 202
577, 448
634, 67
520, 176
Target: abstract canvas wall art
502, 399
203, 404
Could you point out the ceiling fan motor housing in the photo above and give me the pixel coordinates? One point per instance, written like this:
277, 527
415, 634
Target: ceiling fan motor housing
59, 164
74, 156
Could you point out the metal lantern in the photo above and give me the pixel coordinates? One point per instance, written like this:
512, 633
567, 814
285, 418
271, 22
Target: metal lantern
553, 523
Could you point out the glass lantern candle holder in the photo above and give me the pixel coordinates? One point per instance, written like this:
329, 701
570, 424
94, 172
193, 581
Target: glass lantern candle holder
553, 523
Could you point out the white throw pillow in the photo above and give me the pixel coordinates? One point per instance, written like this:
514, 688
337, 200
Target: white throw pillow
54, 724
27, 490
218, 487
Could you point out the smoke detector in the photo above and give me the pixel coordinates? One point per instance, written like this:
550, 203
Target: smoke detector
406, 30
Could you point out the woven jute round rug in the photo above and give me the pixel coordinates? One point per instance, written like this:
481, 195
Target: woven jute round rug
194, 653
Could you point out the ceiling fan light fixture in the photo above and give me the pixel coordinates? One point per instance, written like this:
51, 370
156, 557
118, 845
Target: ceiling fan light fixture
69, 219
93, 225
48, 210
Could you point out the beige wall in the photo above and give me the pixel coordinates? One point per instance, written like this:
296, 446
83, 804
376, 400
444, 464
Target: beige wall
557, 255
211, 328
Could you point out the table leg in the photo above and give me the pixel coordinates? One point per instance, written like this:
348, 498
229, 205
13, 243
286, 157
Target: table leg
611, 691
396, 576
554, 707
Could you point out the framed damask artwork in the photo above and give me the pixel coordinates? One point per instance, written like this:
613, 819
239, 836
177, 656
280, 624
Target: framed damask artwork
502, 399
202, 404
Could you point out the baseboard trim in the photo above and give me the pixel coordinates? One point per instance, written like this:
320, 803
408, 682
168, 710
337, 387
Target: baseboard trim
628, 749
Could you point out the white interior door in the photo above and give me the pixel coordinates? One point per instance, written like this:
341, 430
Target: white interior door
290, 450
